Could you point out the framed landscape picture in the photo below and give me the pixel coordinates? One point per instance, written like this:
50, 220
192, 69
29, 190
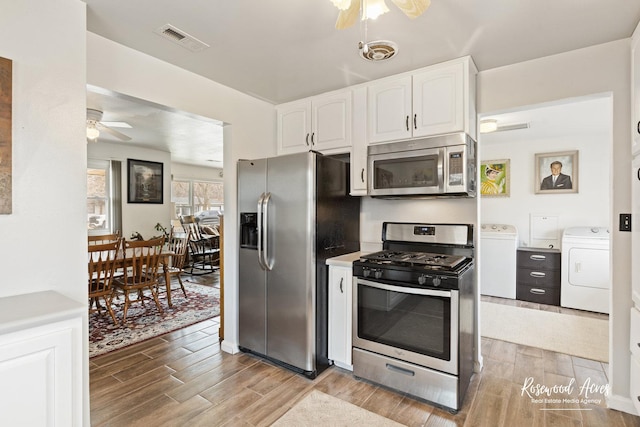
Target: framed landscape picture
144, 181
495, 178
556, 173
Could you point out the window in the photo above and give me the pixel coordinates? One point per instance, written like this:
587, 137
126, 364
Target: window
98, 197
192, 197
104, 204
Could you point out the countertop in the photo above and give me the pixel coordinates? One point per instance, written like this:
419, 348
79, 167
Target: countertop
345, 260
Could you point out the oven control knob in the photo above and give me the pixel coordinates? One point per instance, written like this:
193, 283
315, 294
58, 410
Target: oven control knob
436, 281
366, 272
422, 279
377, 274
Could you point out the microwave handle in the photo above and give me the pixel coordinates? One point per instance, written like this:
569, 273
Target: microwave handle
405, 289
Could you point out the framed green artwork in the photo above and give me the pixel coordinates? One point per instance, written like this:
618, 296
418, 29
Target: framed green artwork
494, 178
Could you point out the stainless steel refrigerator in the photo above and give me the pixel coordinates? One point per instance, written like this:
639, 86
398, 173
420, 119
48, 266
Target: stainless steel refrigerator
295, 212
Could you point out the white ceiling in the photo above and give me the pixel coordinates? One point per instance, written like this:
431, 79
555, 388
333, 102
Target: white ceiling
281, 50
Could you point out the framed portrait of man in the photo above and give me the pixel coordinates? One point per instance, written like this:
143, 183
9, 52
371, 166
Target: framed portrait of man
556, 173
494, 178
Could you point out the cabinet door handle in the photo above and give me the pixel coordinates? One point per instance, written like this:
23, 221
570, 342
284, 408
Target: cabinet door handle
341, 280
307, 140
538, 257
312, 135
537, 274
537, 291
638, 174
638, 127
406, 123
415, 121
362, 175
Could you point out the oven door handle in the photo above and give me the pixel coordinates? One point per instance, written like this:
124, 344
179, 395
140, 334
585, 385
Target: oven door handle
406, 290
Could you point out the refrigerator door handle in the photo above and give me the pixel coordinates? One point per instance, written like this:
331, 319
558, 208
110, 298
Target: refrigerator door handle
260, 230
265, 231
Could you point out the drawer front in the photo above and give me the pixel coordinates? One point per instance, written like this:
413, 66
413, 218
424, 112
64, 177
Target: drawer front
538, 277
634, 336
539, 260
635, 383
538, 294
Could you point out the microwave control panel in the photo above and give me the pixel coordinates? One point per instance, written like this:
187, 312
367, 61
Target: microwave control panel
456, 168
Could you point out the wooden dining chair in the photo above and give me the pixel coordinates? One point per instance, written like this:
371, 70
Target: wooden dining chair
178, 246
101, 264
142, 261
103, 238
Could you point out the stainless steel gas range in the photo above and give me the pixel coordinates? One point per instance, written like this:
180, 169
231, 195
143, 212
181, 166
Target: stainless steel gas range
413, 312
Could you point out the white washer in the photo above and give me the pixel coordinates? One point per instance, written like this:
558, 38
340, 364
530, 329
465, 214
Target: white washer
499, 247
585, 270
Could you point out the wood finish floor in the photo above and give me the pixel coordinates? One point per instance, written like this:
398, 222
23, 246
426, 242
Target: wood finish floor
183, 378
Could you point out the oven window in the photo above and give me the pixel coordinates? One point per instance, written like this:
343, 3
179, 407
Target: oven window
406, 173
416, 323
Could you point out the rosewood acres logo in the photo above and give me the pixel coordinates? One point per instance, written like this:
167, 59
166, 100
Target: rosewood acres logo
571, 393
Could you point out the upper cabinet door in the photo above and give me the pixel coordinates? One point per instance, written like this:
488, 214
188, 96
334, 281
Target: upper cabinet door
438, 101
331, 122
389, 110
635, 92
294, 127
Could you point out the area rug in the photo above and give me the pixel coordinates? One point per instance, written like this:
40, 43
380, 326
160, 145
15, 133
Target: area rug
146, 322
584, 337
320, 409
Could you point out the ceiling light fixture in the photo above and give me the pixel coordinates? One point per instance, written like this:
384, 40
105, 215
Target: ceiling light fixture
350, 10
488, 125
92, 131
371, 9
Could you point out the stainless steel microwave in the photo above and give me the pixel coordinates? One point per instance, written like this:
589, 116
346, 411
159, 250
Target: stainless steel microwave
438, 166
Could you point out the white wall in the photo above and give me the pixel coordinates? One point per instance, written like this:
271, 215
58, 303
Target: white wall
138, 217
575, 131
249, 132
598, 69
43, 242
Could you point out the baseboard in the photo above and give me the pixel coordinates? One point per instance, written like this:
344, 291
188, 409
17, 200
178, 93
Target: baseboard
622, 403
229, 347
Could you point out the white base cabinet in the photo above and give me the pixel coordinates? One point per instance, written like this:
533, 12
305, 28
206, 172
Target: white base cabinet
634, 345
340, 298
41, 361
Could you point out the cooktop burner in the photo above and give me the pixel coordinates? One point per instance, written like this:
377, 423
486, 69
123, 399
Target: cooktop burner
414, 258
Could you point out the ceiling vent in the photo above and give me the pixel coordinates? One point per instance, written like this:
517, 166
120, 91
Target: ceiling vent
180, 37
379, 50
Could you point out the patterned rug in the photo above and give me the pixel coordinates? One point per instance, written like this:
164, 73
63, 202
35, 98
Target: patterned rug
145, 322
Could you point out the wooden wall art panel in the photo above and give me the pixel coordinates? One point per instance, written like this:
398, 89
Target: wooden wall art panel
5, 135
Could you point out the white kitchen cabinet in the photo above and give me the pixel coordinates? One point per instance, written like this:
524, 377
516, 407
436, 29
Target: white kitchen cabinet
437, 100
635, 91
319, 123
340, 298
41, 361
634, 344
635, 229
359, 145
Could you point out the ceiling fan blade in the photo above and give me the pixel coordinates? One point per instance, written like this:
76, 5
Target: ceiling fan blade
113, 132
348, 17
116, 124
412, 8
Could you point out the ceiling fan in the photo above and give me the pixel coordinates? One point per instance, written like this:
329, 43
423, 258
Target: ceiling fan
95, 126
371, 9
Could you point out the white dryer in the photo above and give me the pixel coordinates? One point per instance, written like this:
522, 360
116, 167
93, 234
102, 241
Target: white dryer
498, 250
585, 269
